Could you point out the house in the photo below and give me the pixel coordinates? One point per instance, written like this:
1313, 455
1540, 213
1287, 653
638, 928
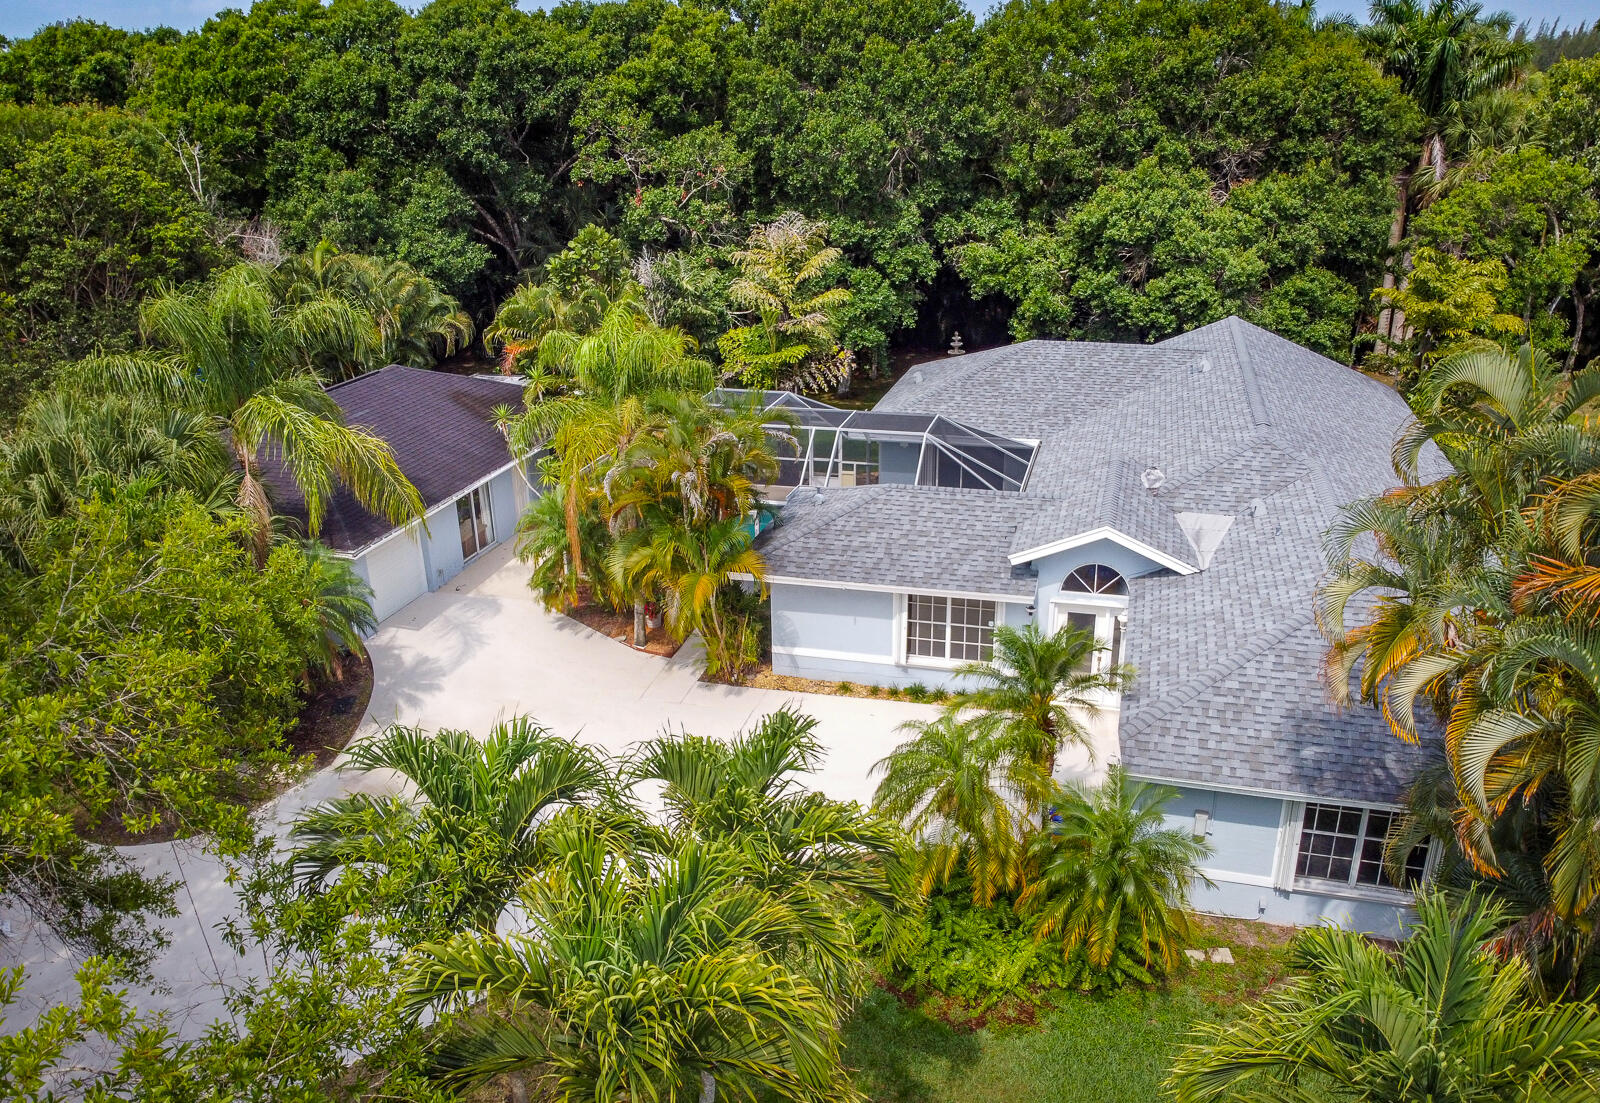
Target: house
1170, 498
441, 429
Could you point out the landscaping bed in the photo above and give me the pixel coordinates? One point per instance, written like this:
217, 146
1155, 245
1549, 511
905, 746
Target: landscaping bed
619, 626
764, 678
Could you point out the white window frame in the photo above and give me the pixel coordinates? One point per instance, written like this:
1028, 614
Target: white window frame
1106, 610
1293, 831
903, 630
471, 497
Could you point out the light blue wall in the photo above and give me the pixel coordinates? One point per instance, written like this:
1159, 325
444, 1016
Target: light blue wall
857, 628
441, 546
897, 462
1053, 569
1244, 837
502, 504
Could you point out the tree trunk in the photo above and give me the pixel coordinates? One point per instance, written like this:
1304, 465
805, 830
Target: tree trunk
708, 1087
1397, 233
1580, 302
570, 508
519, 1088
639, 626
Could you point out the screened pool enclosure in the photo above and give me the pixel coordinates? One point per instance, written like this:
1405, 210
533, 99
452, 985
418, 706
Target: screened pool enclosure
822, 446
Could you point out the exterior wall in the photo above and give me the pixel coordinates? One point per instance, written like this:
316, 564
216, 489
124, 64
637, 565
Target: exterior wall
395, 571
838, 635
1053, 569
503, 504
1252, 851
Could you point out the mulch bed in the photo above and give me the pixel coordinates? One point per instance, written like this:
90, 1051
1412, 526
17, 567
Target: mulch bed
329, 717
619, 626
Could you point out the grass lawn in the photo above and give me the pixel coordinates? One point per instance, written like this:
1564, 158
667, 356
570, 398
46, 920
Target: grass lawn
1086, 1049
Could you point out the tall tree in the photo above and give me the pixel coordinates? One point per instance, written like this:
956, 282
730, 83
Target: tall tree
230, 351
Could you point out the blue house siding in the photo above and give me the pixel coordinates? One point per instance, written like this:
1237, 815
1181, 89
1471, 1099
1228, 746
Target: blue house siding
833, 634
1245, 831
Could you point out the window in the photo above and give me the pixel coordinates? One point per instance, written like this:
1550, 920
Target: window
1096, 578
472, 514
953, 628
1345, 845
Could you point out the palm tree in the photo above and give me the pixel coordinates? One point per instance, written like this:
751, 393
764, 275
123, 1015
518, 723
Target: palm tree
1442, 1019
796, 321
952, 788
691, 567
606, 373
637, 981
413, 322
1113, 880
580, 285
542, 542
1037, 690
827, 862
342, 605
456, 852
1443, 53
70, 445
231, 353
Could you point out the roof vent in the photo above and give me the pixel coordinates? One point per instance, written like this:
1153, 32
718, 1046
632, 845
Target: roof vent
1152, 478
1202, 365
916, 377
1256, 508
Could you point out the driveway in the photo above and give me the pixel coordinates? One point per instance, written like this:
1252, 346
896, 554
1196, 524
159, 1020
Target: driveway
475, 651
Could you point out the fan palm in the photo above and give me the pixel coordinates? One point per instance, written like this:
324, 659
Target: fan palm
820, 859
456, 852
1442, 1020
952, 787
638, 981
1037, 690
1113, 879
229, 352
69, 446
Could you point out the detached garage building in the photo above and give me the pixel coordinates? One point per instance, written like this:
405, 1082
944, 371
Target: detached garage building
441, 428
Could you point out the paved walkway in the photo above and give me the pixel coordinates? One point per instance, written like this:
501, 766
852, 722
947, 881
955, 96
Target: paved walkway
479, 649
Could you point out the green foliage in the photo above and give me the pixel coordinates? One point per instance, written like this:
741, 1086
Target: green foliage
982, 954
1443, 1019
150, 674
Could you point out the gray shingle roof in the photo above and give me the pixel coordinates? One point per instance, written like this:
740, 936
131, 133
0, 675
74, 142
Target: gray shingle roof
439, 426
1240, 423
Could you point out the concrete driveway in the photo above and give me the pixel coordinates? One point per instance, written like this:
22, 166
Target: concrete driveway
475, 651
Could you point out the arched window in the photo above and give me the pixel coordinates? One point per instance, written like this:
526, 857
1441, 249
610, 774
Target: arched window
1096, 578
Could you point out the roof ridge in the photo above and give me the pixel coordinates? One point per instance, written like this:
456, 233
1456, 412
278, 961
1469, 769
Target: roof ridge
1189, 690
1247, 372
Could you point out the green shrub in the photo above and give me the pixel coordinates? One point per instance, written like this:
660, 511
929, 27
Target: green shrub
981, 955
845, 688
916, 691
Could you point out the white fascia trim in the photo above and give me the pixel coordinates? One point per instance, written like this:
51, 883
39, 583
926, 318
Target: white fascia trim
1104, 532
1227, 876
449, 501
824, 653
828, 584
1247, 791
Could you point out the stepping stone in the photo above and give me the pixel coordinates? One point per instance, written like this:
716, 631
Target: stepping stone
1195, 955
1222, 956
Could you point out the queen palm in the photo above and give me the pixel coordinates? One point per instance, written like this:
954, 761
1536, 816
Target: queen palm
455, 852
637, 981
1037, 690
953, 787
230, 352
341, 601
1113, 879
1440, 1019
